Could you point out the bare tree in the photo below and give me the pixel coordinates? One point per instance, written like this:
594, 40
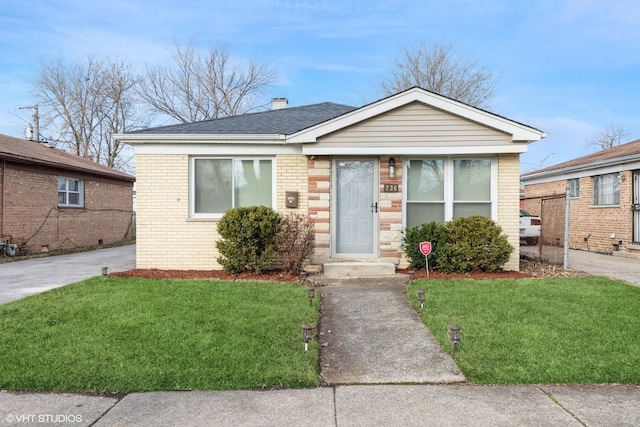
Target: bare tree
438, 69
88, 101
611, 136
200, 86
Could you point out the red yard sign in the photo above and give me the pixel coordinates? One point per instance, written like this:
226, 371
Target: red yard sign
425, 248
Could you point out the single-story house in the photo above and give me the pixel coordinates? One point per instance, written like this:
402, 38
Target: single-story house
52, 199
362, 174
604, 193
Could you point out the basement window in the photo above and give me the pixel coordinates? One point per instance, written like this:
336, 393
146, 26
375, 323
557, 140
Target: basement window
70, 192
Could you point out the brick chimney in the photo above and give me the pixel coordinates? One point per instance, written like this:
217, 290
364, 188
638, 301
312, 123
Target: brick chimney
279, 103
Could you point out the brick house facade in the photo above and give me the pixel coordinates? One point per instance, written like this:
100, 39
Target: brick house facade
354, 172
51, 199
604, 202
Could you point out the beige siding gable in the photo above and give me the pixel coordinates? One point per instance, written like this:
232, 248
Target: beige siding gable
415, 125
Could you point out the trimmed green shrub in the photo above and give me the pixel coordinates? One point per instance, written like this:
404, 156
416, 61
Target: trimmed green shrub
295, 242
474, 243
248, 238
429, 232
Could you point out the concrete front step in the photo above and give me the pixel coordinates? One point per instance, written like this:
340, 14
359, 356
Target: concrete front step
349, 269
322, 280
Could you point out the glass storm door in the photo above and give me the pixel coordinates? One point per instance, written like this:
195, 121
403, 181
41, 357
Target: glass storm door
356, 207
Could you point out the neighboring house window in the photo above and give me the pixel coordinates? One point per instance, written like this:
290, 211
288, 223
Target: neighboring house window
443, 189
70, 192
218, 185
574, 187
606, 189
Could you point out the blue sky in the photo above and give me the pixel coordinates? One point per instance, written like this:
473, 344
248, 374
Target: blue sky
568, 67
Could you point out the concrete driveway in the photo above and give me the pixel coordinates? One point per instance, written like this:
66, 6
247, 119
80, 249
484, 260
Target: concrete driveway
23, 278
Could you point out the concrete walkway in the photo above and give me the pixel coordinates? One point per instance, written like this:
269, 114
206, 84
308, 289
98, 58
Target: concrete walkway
370, 334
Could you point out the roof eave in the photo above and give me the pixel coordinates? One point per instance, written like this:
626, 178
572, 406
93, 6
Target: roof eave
65, 166
582, 167
161, 138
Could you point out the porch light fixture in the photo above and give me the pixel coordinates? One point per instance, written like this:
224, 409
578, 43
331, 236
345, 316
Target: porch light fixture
307, 329
311, 293
454, 336
420, 293
392, 167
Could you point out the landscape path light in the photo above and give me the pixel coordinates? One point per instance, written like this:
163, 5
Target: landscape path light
420, 293
454, 336
412, 275
303, 276
311, 293
307, 335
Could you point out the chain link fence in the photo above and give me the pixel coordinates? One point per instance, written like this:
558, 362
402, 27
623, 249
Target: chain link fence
552, 211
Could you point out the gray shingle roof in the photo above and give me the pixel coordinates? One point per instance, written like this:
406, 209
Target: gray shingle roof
29, 152
282, 122
612, 154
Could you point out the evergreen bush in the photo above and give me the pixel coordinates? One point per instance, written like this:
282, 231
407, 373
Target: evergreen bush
248, 238
474, 243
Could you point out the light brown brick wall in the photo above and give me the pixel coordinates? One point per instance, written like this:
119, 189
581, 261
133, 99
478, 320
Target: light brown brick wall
167, 237
508, 204
32, 218
586, 220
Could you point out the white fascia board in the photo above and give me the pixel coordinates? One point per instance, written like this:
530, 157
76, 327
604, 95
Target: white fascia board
135, 139
410, 151
519, 132
218, 149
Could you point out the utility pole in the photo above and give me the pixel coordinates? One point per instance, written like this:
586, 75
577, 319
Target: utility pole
36, 121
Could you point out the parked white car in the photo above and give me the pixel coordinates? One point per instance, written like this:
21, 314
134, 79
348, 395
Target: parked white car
529, 227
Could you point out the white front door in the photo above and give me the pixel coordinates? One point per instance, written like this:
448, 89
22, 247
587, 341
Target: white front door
355, 207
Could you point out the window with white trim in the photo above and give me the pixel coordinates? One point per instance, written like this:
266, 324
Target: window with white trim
606, 189
219, 184
443, 189
574, 187
70, 192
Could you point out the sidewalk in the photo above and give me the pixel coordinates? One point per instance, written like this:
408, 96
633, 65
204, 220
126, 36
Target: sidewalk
358, 405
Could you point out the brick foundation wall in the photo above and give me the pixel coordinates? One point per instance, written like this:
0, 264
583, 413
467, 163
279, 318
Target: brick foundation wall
32, 218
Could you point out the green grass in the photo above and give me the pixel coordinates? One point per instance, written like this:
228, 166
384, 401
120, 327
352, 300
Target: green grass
120, 335
538, 331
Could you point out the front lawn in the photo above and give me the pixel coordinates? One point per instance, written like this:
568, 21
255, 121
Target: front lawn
538, 331
111, 334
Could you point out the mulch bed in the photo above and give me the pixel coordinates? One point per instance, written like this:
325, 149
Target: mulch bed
529, 268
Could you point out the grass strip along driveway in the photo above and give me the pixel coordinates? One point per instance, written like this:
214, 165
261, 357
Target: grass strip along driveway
537, 331
120, 335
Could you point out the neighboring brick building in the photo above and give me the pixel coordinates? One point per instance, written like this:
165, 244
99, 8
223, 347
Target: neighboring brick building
51, 199
605, 198
362, 174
